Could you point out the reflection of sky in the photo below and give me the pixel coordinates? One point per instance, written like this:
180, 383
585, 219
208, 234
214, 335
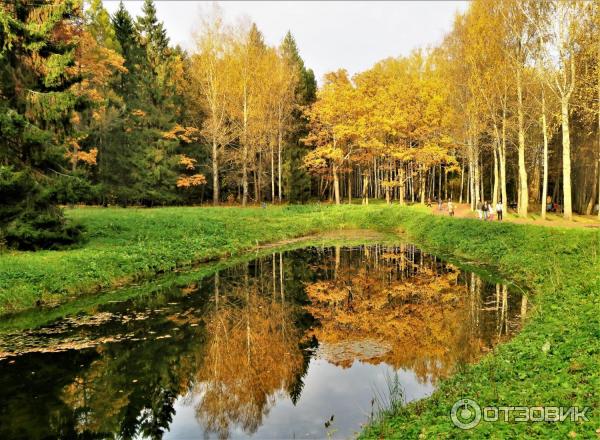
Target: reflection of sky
328, 390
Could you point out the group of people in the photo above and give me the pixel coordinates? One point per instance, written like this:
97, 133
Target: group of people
440, 204
485, 210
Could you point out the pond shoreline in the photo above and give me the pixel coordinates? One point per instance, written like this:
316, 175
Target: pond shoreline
555, 360
125, 246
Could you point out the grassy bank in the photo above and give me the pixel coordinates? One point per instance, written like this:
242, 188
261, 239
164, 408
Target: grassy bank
155, 286
126, 245
555, 360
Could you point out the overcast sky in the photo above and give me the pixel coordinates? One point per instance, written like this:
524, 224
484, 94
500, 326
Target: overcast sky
330, 35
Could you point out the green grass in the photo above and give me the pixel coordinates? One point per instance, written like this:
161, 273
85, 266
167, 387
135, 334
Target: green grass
126, 245
560, 267
154, 286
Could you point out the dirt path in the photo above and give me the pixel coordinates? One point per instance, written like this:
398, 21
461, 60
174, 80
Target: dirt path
579, 221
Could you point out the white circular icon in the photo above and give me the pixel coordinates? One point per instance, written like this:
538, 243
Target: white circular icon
465, 414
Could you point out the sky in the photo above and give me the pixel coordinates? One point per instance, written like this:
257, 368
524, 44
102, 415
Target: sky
330, 35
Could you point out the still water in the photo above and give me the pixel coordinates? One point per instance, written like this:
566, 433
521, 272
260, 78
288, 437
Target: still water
308, 343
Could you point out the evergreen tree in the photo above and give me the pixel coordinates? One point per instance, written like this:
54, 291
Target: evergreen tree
37, 50
98, 23
297, 179
139, 164
152, 31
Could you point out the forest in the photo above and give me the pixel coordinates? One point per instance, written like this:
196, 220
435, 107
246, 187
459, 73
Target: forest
104, 110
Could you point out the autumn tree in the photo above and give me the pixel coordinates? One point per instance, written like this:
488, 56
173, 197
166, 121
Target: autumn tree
557, 27
519, 40
330, 127
209, 86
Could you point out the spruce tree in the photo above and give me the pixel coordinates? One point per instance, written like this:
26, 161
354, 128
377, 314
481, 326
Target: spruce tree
298, 180
98, 23
37, 50
139, 164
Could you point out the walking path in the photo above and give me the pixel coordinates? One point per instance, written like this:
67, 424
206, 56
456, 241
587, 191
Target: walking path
579, 221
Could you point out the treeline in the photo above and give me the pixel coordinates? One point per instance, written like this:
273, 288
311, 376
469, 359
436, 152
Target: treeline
104, 110
506, 108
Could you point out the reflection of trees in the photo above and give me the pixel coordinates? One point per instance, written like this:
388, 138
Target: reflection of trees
234, 341
130, 388
252, 352
398, 306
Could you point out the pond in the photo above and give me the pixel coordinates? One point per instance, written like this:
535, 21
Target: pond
308, 343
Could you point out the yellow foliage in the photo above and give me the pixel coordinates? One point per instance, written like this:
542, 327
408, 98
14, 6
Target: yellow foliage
189, 181
188, 162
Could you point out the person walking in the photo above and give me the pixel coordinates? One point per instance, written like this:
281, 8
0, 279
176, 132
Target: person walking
480, 210
450, 208
499, 209
486, 210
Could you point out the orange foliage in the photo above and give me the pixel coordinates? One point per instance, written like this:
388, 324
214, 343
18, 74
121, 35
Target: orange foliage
189, 181
188, 162
75, 154
184, 134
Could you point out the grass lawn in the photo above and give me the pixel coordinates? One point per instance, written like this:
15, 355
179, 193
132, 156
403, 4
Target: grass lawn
555, 360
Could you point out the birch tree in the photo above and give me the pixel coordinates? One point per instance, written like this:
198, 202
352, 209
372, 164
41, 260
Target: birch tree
209, 86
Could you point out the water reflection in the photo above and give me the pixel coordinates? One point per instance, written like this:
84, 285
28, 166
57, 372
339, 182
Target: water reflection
272, 348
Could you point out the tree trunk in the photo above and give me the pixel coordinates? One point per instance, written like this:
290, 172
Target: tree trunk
471, 182
255, 177
422, 184
259, 178
432, 188
279, 148
244, 175
336, 185
481, 178
502, 160
245, 151
523, 196
495, 190
545, 157
590, 206
375, 181
476, 178
215, 172
401, 185
566, 141
388, 182
462, 180
445, 184
272, 171
440, 182
350, 187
